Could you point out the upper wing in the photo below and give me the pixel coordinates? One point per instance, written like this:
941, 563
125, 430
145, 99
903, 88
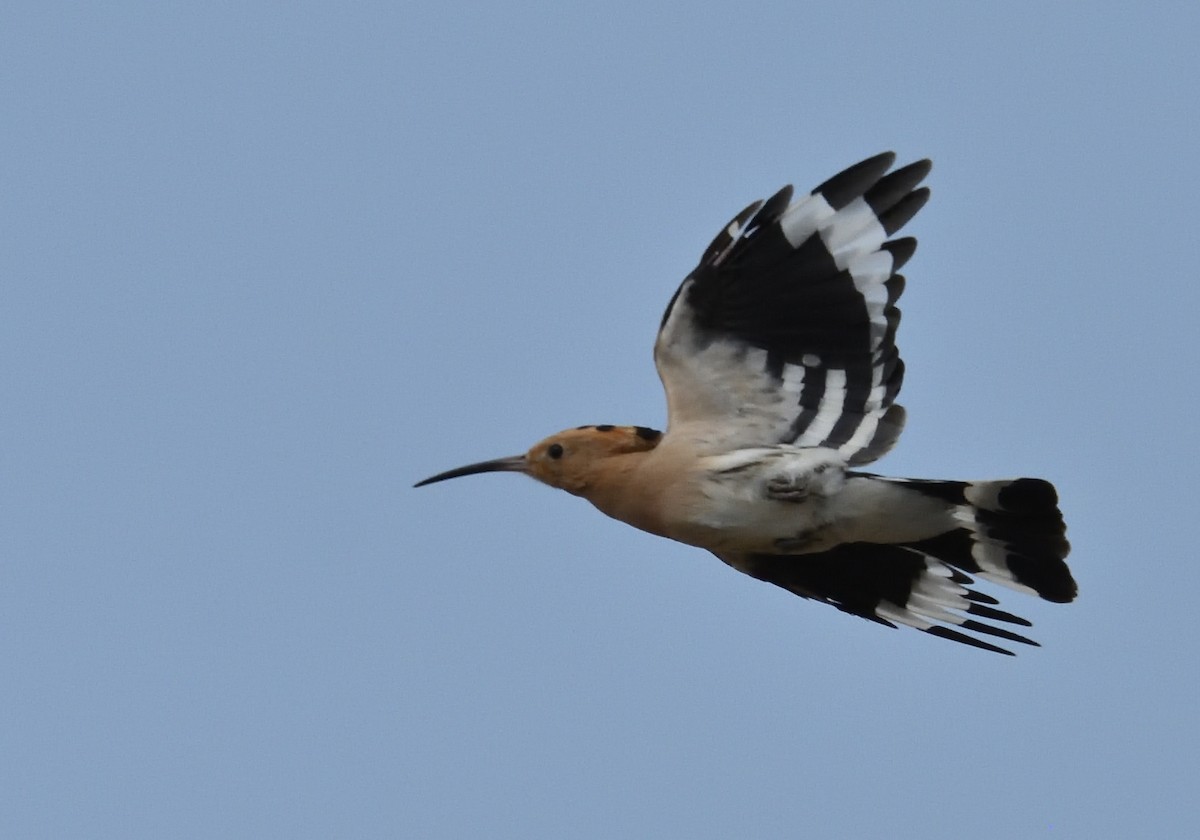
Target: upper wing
785, 331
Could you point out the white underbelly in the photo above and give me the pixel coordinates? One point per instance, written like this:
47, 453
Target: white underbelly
744, 519
728, 516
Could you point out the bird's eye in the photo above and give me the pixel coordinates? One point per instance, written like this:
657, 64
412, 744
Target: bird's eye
555, 451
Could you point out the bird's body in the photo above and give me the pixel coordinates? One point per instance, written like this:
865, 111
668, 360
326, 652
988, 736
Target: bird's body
744, 500
778, 358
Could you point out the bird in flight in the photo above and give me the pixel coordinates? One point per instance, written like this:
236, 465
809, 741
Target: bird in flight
779, 361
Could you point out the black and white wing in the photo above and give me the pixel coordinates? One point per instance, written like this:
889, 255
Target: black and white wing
785, 331
1005, 532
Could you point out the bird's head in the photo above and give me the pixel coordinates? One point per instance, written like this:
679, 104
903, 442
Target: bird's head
568, 460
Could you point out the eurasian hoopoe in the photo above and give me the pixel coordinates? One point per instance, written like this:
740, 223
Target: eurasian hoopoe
779, 361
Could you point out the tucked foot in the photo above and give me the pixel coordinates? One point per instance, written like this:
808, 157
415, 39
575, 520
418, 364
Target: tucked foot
787, 489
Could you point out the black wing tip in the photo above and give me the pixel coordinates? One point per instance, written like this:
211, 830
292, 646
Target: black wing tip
998, 632
972, 595
901, 213
725, 238
893, 187
774, 206
870, 178
963, 638
855, 180
901, 250
984, 611
916, 172
879, 163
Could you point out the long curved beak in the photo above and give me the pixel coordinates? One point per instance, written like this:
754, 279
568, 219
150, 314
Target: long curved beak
513, 464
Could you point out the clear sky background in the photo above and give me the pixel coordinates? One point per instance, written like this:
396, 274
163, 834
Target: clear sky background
265, 265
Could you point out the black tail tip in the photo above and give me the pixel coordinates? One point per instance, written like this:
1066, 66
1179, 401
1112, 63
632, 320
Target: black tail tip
1028, 494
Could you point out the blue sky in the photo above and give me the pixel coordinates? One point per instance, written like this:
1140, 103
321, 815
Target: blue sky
265, 265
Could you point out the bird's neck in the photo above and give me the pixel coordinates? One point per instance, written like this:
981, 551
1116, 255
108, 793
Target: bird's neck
622, 487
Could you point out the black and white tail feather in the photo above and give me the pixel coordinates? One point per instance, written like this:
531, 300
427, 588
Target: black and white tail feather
784, 335
1009, 532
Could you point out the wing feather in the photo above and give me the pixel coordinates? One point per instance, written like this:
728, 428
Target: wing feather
785, 331
1006, 532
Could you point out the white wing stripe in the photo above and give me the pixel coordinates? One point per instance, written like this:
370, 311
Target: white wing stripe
793, 379
854, 230
1007, 580
870, 272
831, 409
885, 609
931, 608
803, 218
862, 436
831, 367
